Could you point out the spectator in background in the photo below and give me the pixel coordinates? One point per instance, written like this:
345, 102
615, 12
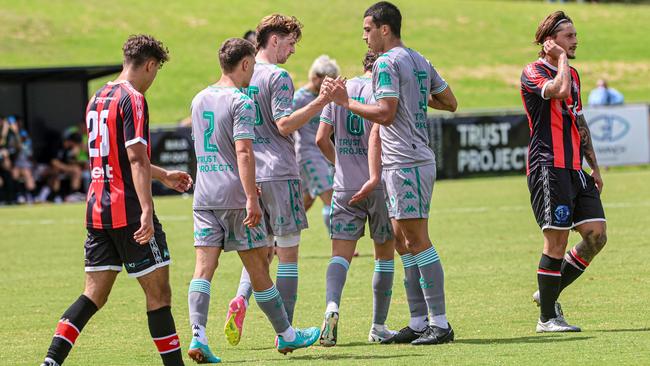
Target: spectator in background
9, 148
82, 156
250, 36
604, 95
65, 167
23, 164
5, 164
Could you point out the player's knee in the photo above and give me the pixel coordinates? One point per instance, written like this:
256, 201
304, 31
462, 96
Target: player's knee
416, 246
159, 297
597, 240
99, 298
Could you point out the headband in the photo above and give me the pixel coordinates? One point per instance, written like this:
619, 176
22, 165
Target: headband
563, 20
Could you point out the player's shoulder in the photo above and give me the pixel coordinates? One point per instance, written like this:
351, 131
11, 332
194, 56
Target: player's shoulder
358, 81
575, 71
241, 98
384, 60
201, 95
533, 68
130, 90
277, 71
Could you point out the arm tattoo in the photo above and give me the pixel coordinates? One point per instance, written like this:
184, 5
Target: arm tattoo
585, 142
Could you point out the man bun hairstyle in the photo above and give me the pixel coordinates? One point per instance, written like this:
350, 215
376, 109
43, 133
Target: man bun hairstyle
324, 66
283, 25
139, 48
369, 60
549, 27
385, 13
232, 51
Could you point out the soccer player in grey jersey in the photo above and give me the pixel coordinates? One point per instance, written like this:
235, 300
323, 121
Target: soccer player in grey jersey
404, 83
316, 172
277, 172
350, 210
227, 213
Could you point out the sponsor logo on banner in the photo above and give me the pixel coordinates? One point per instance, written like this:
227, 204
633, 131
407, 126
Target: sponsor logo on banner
608, 128
620, 134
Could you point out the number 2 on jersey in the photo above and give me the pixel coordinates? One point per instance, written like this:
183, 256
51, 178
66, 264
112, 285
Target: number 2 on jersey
96, 125
207, 134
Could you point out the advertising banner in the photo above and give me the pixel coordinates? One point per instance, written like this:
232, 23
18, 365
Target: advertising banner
172, 149
480, 145
620, 134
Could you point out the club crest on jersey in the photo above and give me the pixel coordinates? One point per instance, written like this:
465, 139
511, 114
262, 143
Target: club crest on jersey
562, 214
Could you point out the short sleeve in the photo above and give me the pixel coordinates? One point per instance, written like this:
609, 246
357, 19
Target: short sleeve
326, 114
134, 116
535, 79
244, 119
576, 76
281, 94
385, 79
438, 84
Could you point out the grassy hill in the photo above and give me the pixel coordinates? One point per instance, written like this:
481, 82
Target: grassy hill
480, 47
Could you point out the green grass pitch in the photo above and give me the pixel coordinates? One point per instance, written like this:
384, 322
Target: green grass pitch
483, 229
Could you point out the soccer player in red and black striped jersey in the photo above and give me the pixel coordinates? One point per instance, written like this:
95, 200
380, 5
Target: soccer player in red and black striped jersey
122, 227
562, 195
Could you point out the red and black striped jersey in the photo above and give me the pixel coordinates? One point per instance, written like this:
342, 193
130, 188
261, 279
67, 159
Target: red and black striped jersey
116, 117
554, 137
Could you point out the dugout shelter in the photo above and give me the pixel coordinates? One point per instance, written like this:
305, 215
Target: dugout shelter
49, 100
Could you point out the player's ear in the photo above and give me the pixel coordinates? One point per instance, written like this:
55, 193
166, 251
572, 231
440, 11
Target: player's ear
385, 29
243, 64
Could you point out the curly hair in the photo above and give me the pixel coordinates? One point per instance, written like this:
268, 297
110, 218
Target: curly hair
277, 24
141, 47
369, 60
232, 51
550, 27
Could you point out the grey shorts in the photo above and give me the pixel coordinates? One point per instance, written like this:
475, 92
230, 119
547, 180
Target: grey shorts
408, 191
317, 176
348, 222
225, 229
283, 208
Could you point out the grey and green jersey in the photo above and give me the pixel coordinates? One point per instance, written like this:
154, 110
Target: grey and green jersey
272, 92
220, 116
351, 134
306, 147
405, 74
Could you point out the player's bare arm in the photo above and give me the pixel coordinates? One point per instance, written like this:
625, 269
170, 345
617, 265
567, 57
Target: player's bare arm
374, 166
444, 101
246, 166
173, 179
588, 150
560, 86
141, 172
325, 143
289, 124
383, 112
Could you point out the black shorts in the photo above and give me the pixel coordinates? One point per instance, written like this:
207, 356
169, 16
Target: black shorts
109, 249
563, 198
